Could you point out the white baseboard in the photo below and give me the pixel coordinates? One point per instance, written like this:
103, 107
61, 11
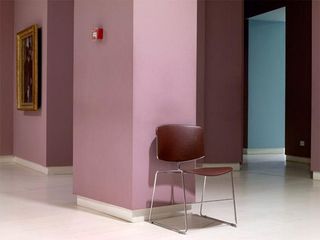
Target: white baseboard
254, 151
32, 165
62, 170
316, 175
6, 159
37, 167
128, 214
235, 166
295, 159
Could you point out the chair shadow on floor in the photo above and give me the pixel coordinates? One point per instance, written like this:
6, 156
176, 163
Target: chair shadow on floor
194, 221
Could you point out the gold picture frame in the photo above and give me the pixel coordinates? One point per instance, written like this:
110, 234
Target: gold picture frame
27, 69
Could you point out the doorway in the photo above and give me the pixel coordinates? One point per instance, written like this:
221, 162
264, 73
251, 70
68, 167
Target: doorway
266, 83
266, 92
267, 133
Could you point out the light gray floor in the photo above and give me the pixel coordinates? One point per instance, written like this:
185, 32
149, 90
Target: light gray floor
274, 201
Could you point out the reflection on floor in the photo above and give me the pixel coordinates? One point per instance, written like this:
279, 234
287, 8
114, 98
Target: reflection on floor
274, 200
275, 165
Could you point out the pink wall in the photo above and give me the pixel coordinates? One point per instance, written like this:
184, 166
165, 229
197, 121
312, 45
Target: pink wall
103, 101
6, 76
224, 81
60, 83
164, 83
315, 122
30, 127
45, 136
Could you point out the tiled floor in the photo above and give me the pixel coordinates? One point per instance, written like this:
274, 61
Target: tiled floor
274, 202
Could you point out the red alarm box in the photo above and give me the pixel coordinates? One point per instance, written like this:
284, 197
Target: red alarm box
97, 34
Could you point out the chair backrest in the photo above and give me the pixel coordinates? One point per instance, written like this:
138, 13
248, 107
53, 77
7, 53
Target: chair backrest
177, 143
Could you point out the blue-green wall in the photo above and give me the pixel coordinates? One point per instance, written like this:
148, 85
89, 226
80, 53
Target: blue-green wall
266, 113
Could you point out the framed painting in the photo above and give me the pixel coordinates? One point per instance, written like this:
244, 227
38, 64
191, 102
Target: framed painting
27, 69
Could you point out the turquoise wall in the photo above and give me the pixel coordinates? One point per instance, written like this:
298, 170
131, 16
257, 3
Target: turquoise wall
266, 93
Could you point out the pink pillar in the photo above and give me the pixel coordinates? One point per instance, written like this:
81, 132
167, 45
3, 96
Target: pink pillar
143, 74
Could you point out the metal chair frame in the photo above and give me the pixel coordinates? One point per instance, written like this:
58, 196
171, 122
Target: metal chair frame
180, 171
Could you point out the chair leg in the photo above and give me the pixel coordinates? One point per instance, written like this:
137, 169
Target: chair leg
234, 200
184, 198
153, 192
202, 195
185, 204
172, 195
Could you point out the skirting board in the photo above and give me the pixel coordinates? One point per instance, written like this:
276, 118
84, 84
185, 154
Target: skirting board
297, 159
235, 166
253, 151
127, 214
63, 170
31, 165
316, 175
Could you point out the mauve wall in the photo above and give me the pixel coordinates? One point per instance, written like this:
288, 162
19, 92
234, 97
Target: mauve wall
315, 133
224, 81
298, 78
60, 83
164, 85
201, 58
103, 101
30, 127
6, 77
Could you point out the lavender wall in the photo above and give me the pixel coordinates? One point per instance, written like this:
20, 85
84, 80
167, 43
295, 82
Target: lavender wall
103, 101
30, 127
60, 83
6, 76
224, 81
315, 126
164, 84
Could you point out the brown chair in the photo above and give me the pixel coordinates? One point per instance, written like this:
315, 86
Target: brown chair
184, 144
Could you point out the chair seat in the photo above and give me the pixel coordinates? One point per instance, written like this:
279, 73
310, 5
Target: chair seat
213, 171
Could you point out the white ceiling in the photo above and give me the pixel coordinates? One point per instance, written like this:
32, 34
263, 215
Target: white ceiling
278, 15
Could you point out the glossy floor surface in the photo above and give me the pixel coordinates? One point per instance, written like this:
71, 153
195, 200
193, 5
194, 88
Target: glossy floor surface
274, 200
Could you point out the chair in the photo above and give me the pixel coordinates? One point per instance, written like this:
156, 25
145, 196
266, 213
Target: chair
184, 144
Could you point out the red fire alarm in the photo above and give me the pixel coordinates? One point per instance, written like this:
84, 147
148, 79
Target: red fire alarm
97, 34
